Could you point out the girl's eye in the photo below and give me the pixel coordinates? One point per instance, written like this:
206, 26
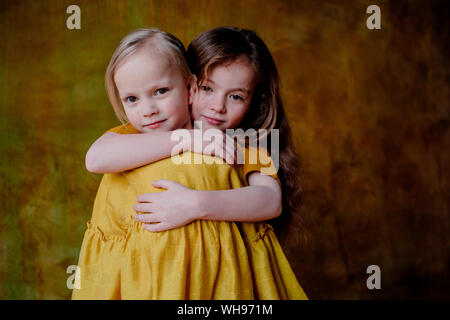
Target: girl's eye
205, 88
161, 91
131, 99
236, 97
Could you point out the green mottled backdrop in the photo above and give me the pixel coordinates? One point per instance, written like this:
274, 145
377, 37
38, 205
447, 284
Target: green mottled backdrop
369, 110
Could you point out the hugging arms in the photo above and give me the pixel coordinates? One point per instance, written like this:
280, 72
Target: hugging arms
179, 205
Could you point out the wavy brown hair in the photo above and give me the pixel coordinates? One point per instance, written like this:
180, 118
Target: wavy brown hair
225, 44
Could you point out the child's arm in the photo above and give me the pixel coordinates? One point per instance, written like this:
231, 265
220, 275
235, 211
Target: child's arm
261, 200
114, 152
179, 205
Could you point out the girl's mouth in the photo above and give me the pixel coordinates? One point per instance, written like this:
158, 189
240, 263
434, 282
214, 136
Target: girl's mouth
155, 124
213, 121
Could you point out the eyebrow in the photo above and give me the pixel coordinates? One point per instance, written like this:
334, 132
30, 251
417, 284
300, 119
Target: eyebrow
162, 84
234, 89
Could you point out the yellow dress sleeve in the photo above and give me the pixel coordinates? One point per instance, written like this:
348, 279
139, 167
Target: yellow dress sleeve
257, 159
126, 128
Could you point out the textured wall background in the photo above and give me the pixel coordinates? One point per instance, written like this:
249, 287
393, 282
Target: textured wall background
369, 109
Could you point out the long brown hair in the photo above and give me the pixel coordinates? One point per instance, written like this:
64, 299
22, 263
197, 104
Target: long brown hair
217, 46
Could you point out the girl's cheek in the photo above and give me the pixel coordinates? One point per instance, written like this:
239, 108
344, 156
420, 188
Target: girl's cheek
197, 106
195, 114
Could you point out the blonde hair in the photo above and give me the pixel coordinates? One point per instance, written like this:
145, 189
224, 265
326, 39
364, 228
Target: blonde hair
158, 42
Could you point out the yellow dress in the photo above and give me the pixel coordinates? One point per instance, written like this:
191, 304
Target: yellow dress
202, 260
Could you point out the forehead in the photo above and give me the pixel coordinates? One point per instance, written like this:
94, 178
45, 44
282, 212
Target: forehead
236, 73
144, 67
143, 58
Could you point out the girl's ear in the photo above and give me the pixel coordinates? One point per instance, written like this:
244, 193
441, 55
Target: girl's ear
192, 87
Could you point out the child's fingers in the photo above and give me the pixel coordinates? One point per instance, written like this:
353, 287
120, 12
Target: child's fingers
219, 152
227, 155
219, 149
229, 158
143, 207
163, 183
239, 154
147, 218
231, 148
155, 227
146, 197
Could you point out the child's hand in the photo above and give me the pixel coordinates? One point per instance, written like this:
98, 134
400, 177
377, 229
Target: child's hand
171, 209
217, 143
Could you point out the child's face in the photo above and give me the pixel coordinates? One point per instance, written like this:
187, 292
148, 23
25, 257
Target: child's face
224, 96
153, 92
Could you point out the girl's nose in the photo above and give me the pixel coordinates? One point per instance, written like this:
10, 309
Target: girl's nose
149, 108
218, 105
